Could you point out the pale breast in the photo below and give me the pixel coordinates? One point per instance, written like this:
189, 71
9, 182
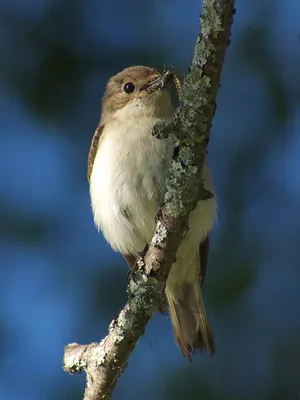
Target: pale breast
127, 184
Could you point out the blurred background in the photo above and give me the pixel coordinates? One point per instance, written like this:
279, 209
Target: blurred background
59, 280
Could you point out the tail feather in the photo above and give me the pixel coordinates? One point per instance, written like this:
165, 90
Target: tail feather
190, 323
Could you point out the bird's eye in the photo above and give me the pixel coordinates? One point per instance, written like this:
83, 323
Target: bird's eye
128, 88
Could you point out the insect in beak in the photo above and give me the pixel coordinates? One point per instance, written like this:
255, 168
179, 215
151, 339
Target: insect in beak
161, 81
170, 76
154, 85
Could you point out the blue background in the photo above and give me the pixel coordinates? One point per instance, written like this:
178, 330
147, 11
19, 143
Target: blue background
59, 280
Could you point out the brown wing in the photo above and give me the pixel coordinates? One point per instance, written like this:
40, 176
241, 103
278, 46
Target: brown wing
93, 150
130, 260
203, 253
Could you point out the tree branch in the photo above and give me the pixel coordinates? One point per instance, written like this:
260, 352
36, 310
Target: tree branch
104, 362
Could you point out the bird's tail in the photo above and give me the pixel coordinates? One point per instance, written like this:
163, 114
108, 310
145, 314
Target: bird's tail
190, 324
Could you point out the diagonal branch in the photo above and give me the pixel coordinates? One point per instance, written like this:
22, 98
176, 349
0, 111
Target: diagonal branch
104, 362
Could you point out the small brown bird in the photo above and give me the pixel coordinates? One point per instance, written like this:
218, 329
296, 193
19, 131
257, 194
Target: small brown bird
127, 170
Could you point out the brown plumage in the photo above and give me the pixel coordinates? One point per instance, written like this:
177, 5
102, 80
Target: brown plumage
93, 150
189, 320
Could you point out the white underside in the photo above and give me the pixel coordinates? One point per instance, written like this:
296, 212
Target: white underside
126, 187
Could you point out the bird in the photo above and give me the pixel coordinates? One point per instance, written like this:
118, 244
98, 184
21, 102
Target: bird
127, 172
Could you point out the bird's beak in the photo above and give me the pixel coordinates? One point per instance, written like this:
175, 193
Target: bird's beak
156, 82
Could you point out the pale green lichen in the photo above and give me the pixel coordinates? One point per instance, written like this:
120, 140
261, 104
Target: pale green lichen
162, 130
99, 352
140, 263
160, 233
186, 155
73, 362
140, 294
210, 21
197, 87
203, 51
124, 324
179, 184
